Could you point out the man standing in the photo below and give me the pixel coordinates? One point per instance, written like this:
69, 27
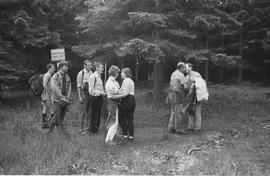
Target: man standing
194, 108
177, 98
96, 91
46, 95
83, 94
61, 91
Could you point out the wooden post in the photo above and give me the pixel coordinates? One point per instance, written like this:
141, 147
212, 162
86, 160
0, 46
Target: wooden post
136, 69
206, 70
105, 76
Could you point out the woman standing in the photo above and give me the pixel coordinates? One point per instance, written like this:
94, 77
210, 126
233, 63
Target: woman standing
112, 88
128, 104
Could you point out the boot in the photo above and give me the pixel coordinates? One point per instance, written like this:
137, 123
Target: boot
44, 121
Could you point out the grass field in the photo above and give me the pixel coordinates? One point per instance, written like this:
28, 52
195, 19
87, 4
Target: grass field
234, 139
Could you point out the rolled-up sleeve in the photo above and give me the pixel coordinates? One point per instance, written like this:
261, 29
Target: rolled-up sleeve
79, 79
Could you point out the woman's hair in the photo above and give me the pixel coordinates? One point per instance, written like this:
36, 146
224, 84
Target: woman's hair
190, 65
114, 70
49, 66
127, 72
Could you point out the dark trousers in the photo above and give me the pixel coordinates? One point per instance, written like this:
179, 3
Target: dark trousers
126, 116
96, 105
86, 114
60, 113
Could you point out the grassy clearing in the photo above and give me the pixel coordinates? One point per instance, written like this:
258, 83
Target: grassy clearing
234, 140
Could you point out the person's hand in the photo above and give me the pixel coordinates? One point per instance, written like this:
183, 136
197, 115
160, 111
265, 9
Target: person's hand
81, 100
103, 93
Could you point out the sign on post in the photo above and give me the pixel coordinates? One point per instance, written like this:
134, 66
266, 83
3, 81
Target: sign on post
58, 54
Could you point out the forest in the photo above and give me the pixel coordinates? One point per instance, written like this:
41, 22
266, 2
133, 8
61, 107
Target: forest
227, 40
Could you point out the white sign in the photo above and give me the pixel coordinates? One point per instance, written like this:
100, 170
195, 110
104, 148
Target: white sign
58, 54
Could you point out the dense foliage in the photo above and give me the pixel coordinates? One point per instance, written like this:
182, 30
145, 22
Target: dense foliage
218, 36
28, 29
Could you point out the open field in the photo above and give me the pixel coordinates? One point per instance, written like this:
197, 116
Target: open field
235, 139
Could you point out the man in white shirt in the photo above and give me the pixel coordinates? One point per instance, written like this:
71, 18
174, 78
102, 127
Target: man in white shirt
194, 108
96, 91
83, 94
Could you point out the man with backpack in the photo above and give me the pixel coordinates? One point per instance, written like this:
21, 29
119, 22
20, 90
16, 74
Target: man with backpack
83, 94
61, 92
46, 100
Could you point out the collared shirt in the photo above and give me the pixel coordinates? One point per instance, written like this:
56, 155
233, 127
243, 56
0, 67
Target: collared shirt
57, 86
177, 80
47, 92
112, 87
95, 84
192, 75
128, 86
47, 81
83, 77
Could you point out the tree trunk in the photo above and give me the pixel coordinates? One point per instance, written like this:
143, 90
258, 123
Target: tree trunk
206, 71
158, 82
136, 69
221, 78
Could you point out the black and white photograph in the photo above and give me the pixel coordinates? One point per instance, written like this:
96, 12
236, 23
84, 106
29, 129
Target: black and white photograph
135, 87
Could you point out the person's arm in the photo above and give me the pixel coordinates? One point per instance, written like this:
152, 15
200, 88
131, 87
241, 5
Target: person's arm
79, 86
69, 90
123, 92
55, 88
46, 78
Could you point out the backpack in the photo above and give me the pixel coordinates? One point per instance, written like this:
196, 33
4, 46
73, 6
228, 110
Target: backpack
36, 84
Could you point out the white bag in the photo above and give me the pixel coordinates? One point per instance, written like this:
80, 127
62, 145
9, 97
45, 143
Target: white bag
201, 90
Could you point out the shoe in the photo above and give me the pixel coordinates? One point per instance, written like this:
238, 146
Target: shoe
189, 130
44, 126
181, 132
82, 132
124, 137
172, 131
130, 139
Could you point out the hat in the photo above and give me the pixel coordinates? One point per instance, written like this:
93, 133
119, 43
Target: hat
62, 63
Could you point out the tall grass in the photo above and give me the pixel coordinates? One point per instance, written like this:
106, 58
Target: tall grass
27, 149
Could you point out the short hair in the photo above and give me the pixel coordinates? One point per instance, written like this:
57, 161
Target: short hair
62, 63
85, 62
180, 65
190, 65
127, 72
114, 70
49, 66
98, 64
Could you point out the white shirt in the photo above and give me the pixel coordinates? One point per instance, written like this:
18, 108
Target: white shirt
95, 84
81, 80
128, 86
112, 87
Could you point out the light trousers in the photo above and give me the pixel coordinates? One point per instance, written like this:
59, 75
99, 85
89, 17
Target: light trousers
176, 117
195, 120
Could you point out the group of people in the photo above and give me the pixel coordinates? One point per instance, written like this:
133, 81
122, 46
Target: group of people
93, 95
187, 92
